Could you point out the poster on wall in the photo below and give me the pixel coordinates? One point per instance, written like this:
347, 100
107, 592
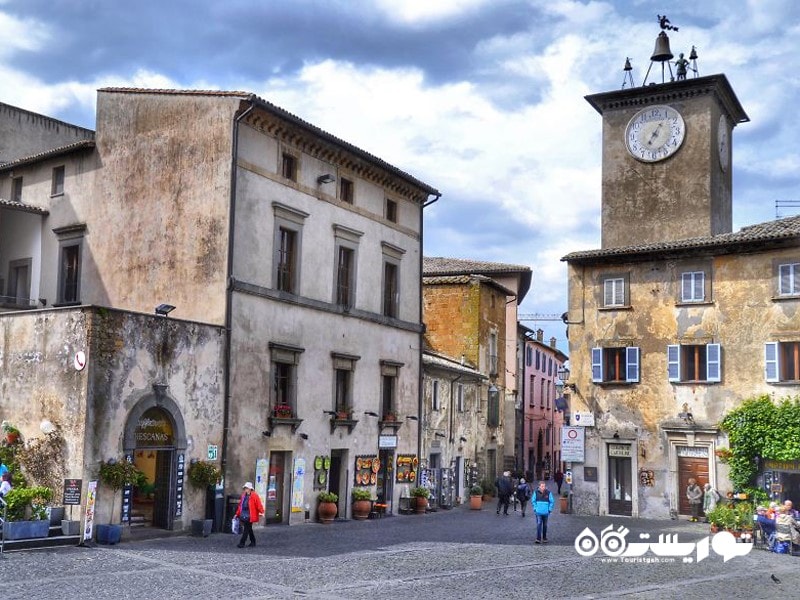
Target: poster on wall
262, 476
88, 523
299, 472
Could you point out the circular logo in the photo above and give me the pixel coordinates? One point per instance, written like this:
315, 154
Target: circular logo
80, 360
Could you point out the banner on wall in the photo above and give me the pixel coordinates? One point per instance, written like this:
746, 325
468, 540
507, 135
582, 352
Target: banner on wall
299, 471
88, 523
262, 476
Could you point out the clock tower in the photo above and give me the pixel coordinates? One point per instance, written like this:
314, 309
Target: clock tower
667, 160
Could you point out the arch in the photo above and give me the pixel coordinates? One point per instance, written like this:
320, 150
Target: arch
157, 399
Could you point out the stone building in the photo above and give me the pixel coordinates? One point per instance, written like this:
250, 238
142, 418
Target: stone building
470, 313
676, 319
240, 216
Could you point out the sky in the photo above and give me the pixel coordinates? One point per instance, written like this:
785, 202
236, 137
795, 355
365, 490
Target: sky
481, 99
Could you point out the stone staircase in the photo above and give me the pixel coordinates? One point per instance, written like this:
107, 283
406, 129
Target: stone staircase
54, 539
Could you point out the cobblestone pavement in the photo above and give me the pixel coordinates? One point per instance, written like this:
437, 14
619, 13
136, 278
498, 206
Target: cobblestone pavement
450, 554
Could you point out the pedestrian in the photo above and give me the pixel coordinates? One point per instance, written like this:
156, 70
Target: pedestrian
559, 479
710, 499
523, 494
787, 531
249, 511
504, 490
543, 504
5, 486
695, 495
790, 509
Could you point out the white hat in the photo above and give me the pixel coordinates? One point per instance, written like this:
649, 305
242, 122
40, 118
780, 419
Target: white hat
248, 484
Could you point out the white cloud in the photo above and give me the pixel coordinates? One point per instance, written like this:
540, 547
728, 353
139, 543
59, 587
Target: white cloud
414, 12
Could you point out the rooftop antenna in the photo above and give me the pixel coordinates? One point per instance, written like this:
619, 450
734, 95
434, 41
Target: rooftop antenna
628, 77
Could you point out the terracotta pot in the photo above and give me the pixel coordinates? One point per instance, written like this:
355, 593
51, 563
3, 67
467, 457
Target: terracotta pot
327, 511
12, 438
475, 502
563, 504
361, 509
420, 505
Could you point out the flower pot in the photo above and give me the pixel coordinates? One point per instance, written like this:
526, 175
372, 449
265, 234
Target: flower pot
361, 509
327, 511
420, 504
11, 438
23, 530
56, 514
563, 504
109, 534
475, 502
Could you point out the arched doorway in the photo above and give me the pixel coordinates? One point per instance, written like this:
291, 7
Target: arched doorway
155, 441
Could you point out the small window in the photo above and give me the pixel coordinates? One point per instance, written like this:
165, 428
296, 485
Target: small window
532, 391
391, 210
789, 284
460, 406
390, 289
70, 274
614, 291
289, 167
16, 189
782, 361
388, 385
492, 353
346, 190
284, 361
493, 406
693, 286
287, 260
528, 356
615, 365
57, 187
435, 405
694, 363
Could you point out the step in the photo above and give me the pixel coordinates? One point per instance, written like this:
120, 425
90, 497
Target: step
38, 543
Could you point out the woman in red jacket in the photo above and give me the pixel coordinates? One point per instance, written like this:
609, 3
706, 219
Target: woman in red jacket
249, 511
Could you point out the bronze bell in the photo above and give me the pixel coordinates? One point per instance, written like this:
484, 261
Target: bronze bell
662, 52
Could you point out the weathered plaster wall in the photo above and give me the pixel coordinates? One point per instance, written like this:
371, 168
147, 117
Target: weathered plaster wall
24, 133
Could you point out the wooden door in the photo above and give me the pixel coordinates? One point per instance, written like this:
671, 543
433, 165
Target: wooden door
688, 468
620, 486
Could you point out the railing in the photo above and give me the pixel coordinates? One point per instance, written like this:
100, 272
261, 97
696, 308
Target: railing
4, 507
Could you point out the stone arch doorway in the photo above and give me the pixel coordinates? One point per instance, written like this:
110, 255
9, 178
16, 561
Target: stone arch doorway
155, 441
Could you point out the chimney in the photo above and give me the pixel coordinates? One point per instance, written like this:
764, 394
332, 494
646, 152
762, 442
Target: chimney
539, 335
553, 342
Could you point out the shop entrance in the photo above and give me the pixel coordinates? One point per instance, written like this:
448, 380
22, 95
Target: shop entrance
152, 502
690, 466
620, 484
386, 479
276, 486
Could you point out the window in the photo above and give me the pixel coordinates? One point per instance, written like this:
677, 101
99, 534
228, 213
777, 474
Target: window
615, 365
69, 277
532, 391
57, 187
390, 289
493, 406
286, 248
391, 210
344, 277
460, 405
693, 286
528, 356
694, 362
343, 367
289, 166
542, 391
782, 361
492, 353
614, 291
16, 189
538, 359
284, 361
389, 373
530, 431
435, 395
346, 190
788, 284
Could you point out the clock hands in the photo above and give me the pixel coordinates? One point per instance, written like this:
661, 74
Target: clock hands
654, 135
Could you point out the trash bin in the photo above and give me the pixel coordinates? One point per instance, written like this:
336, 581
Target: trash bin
230, 509
215, 507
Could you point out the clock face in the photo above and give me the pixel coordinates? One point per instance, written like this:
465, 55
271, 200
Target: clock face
654, 133
723, 144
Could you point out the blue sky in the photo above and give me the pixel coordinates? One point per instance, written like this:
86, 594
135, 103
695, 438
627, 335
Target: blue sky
482, 99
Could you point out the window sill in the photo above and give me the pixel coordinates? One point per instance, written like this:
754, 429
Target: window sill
390, 425
57, 195
693, 382
284, 421
786, 298
612, 308
349, 423
685, 303
615, 383
62, 304
785, 382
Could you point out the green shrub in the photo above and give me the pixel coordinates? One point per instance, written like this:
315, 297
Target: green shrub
361, 494
420, 492
328, 497
476, 490
203, 474
28, 503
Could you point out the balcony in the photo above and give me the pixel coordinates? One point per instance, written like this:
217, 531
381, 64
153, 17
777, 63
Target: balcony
284, 415
343, 418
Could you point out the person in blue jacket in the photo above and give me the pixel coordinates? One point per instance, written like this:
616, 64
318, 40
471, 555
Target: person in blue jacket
543, 503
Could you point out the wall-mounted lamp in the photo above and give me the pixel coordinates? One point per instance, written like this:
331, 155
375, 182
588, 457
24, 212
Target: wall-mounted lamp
326, 178
412, 418
439, 435
43, 301
329, 412
47, 426
369, 413
616, 435
304, 436
266, 433
462, 438
164, 309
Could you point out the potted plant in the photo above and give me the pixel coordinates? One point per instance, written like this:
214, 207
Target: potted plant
563, 502
12, 433
362, 503
115, 474
327, 507
488, 490
283, 411
421, 495
27, 513
204, 475
476, 497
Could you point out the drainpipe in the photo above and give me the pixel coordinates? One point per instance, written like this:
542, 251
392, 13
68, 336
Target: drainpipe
229, 285
420, 414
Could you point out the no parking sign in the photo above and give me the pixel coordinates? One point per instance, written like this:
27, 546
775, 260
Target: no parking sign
572, 444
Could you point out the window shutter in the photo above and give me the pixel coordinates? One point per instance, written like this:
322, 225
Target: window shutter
673, 363
686, 287
597, 364
699, 286
713, 363
608, 292
632, 365
785, 276
771, 364
435, 396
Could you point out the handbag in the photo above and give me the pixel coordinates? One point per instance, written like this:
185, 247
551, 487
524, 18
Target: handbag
235, 525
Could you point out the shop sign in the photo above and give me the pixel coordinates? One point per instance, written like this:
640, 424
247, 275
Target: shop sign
72, 492
781, 465
619, 450
387, 441
154, 429
693, 451
584, 419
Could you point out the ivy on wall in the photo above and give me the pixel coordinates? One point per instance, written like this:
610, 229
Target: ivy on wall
760, 428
